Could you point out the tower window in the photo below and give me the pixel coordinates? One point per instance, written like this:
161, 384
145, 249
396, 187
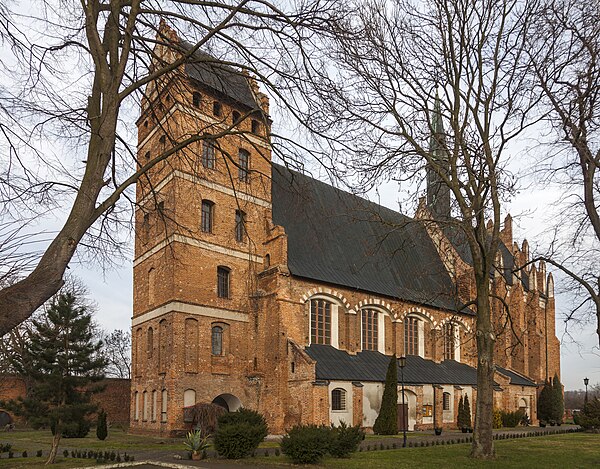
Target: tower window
147, 155
207, 216
150, 342
223, 282
208, 154
217, 340
163, 140
196, 99
235, 117
320, 322
240, 226
411, 336
255, 127
217, 108
338, 399
369, 329
244, 158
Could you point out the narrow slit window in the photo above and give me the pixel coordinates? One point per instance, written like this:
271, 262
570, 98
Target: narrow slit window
243, 166
240, 226
208, 154
223, 282
207, 216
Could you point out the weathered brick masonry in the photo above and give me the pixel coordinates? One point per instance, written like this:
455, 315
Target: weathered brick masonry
255, 344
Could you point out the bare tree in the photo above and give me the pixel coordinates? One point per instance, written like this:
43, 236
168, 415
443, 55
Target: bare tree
116, 349
565, 58
433, 88
67, 96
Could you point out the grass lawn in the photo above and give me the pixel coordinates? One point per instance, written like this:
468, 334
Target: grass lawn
61, 463
569, 451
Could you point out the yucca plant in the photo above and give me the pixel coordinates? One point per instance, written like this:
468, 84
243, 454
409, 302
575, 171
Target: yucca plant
196, 443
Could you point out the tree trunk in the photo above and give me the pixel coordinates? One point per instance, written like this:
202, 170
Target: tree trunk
483, 442
55, 442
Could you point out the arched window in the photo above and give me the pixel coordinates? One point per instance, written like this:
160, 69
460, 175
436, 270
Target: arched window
189, 397
139, 350
217, 340
446, 401
255, 126
154, 404
240, 226
449, 341
196, 99
150, 342
163, 406
369, 320
217, 108
243, 164
338, 399
145, 406
208, 154
411, 336
223, 282
207, 216
320, 321
235, 117
267, 261
136, 405
163, 339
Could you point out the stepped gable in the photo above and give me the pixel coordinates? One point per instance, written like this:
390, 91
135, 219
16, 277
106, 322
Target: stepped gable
339, 238
223, 79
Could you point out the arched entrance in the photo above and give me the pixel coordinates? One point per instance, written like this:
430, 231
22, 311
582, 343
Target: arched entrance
410, 406
524, 406
228, 401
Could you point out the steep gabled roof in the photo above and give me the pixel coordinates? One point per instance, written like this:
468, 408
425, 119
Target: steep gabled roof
339, 238
516, 378
223, 79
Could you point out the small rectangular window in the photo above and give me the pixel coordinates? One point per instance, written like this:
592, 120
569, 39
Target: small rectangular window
207, 216
196, 99
217, 109
208, 154
446, 401
240, 226
255, 127
223, 282
244, 158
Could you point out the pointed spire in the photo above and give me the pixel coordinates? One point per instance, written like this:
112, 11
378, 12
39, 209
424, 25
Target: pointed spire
438, 193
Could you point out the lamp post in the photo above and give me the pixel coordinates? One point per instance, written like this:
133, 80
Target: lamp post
402, 363
586, 382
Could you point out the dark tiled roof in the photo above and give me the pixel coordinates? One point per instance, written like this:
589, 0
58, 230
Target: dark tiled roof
334, 364
339, 238
225, 80
516, 378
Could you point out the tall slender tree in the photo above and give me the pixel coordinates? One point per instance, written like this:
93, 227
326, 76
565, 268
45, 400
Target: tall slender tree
558, 403
387, 420
63, 361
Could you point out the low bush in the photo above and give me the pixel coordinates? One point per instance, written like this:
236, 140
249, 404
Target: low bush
345, 440
306, 444
239, 433
511, 419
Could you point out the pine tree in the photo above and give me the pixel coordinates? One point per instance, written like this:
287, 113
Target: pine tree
101, 427
558, 405
467, 411
63, 361
460, 421
387, 420
545, 402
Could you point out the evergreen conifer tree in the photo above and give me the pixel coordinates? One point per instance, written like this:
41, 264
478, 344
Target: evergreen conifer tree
387, 420
101, 427
460, 421
62, 359
545, 402
558, 406
467, 411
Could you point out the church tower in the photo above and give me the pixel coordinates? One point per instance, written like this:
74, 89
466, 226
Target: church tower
438, 193
199, 237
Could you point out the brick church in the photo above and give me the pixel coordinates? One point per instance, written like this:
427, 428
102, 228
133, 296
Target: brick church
262, 287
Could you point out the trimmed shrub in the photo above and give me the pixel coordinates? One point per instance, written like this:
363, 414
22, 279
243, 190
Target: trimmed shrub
460, 419
387, 420
557, 403
545, 403
307, 444
239, 433
467, 411
101, 427
497, 419
512, 419
345, 440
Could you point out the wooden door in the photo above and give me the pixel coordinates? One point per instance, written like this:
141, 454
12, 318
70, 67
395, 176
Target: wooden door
402, 417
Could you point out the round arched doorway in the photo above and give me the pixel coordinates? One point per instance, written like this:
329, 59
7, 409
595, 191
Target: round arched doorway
228, 401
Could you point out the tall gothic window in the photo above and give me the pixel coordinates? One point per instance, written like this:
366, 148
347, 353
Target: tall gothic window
240, 226
320, 322
207, 216
449, 341
150, 342
411, 336
208, 154
243, 164
338, 399
223, 282
217, 340
369, 329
